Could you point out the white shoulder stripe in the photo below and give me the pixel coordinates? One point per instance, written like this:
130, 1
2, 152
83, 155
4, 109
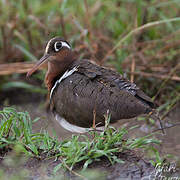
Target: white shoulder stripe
65, 75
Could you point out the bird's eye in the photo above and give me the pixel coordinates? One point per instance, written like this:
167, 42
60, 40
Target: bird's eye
57, 46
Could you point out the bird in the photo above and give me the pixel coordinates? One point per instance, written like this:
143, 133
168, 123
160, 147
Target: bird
78, 88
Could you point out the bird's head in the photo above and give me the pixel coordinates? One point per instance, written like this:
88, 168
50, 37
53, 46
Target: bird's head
56, 50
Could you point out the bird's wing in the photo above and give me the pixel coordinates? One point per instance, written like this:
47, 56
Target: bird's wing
88, 69
111, 78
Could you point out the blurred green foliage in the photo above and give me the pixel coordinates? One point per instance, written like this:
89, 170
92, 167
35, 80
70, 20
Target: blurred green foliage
29, 24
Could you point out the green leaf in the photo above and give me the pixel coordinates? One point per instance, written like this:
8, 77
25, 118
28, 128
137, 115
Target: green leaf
56, 168
89, 161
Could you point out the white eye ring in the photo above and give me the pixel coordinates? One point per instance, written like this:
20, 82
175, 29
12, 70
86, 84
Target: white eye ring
57, 46
63, 44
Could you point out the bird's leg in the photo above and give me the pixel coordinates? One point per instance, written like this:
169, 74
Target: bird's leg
94, 119
94, 125
155, 115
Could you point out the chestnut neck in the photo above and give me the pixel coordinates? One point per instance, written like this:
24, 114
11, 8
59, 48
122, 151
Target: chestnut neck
57, 67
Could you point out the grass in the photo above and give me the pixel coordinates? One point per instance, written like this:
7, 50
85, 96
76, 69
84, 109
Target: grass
16, 134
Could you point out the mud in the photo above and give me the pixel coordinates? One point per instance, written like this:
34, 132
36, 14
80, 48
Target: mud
135, 166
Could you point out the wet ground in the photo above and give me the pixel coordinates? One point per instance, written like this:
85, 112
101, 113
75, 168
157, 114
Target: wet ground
135, 167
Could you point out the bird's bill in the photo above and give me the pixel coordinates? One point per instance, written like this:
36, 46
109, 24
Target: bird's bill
39, 63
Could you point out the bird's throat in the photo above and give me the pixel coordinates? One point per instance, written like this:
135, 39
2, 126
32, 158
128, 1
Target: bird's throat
56, 69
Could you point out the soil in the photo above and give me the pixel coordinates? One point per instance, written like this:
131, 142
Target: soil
135, 166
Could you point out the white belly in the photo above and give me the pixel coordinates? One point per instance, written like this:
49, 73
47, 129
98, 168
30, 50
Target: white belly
73, 128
